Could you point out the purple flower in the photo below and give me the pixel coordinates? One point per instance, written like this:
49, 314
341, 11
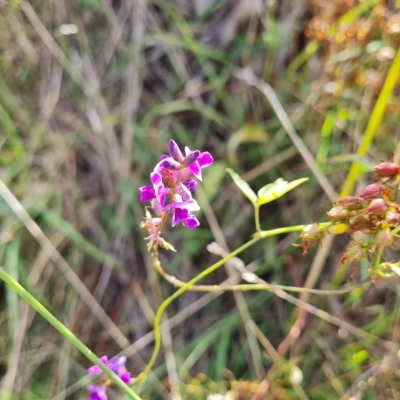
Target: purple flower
201, 161
147, 193
116, 364
172, 187
183, 215
183, 199
186, 168
191, 185
96, 370
98, 393
175, 151
182, 204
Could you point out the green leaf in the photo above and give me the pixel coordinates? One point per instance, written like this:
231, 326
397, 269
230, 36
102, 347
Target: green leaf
395, 268
243, 186
273, 191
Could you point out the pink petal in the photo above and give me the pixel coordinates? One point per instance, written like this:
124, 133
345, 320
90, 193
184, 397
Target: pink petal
159, 189
205, 159
196, 170
179, 215
146, 193
125, 377
191, 222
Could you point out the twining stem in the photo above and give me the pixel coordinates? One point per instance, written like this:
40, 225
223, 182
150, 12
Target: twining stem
256, 237
14, 285
257, 216
170, 299
249, 287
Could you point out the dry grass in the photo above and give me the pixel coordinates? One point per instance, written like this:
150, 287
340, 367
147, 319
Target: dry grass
83, 118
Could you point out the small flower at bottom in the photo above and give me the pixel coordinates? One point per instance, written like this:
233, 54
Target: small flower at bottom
117, 365
98, 393
95, 369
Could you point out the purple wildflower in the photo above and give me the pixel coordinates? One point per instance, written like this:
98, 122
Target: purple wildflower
95, 369
171, 190
175, 151
117, 365
147, 193
191, 185
98, 393
201, 161
159, 188
183, 215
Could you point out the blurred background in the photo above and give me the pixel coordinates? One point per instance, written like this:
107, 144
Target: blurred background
91, 91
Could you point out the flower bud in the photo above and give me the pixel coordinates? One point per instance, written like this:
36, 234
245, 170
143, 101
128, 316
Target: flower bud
312, 232
377, 207
392, 218
350, 203
190, 184
337, 214
175, 151
371, 192
171, 165
191, 158
387, 169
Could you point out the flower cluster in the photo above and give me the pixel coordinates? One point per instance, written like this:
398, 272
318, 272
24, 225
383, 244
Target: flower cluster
171, 189
117, 365
374, 212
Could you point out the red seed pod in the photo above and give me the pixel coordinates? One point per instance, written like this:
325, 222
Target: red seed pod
387, 169
377, 207
392, 218
338, 214
372, 192
350, 203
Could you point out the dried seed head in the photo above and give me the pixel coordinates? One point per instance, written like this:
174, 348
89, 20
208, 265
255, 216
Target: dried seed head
387, 169
377, 207
338, 214
371, 192
358, 223
384, 238
312, 232
350, 203
392, 218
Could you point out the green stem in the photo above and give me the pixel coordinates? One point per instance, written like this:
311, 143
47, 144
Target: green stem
257, 216
296, 228
256, 237
66, 332
377, 257
169, 300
